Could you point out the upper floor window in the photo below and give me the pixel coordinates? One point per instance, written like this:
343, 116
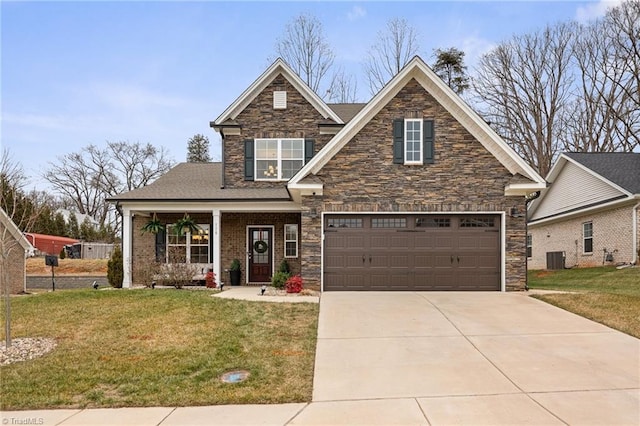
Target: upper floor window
529, 245
587, 237
278, 159
413, 141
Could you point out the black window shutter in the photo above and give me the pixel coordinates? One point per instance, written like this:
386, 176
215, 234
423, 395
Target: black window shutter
309, 149
248, 159
428, 139
398, 141
161, 246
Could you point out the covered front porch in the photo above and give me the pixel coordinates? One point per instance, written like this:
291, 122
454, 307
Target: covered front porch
259, 236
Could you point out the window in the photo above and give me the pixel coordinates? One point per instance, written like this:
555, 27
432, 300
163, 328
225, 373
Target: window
387, 222
278, 159
344, 223
188, 248
477, 222
291, 240
529, 245
433, 222
413, 141
587, 237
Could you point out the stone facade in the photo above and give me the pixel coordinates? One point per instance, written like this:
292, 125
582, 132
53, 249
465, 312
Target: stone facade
612, 231
464, 177
260, 120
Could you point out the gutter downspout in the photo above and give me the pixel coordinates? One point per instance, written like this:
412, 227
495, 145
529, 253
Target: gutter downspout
635, 234
527, 200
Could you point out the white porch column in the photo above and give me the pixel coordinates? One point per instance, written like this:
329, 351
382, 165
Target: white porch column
126, 247
216, 258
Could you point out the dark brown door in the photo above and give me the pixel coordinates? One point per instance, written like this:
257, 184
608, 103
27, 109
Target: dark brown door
260, 246
412, 252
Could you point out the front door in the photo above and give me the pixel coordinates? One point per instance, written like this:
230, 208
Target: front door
260, 259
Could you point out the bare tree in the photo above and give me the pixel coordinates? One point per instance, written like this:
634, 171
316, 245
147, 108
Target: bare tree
89, 177
305, 48
606, 112
344, 88
395, 46
524, 88
449, 66
23, 212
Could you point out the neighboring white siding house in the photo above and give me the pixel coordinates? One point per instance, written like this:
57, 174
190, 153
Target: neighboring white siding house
590, 211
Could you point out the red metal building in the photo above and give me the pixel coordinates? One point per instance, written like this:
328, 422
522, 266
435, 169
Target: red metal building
49, 244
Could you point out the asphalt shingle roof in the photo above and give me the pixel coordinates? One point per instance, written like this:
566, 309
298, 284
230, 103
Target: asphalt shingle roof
346, 111
621, 168
199, 181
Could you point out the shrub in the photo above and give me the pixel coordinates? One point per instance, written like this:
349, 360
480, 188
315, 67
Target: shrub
63, 253
279, 279
284, 267
115, 268
294, 284
147, 273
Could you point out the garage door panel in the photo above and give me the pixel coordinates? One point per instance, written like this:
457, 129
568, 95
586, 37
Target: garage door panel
451, 257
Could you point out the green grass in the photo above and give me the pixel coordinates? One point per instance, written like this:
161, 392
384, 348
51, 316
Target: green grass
159, 348
606, 295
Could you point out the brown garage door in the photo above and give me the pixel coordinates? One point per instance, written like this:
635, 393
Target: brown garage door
412, 252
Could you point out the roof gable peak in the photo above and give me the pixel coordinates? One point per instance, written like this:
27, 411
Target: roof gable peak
279, 66
417, 69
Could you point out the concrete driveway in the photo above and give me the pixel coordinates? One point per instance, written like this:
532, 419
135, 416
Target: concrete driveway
468, 358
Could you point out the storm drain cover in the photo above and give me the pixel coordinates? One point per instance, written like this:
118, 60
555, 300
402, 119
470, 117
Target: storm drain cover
236, 376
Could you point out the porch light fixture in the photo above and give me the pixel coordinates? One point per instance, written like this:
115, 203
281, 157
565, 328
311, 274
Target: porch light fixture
313, 213
515, 213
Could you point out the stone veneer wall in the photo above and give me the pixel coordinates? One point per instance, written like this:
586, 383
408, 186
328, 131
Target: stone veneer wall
234, 239
612, 230
464, 177
259, 120
15, 263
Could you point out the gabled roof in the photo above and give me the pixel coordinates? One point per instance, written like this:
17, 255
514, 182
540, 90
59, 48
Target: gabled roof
600, 178
198, 182
417, 69
278, 67
619, 168
14, 231
346, 111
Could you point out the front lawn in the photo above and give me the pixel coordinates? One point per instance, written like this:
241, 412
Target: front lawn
121, 348
607, 295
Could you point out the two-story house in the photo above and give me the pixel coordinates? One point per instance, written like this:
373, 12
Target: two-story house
410, 191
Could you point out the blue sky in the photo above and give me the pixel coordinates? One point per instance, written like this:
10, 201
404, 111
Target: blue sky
80, 73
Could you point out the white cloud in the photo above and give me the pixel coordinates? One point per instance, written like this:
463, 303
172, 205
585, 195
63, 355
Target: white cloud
356, 13
595, 10
474, 47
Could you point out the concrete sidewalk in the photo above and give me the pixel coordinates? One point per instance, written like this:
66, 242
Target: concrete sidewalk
431, 359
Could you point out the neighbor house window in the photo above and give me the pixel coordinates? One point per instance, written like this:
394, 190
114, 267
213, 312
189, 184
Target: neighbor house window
188, 248
413, 141
587, 237
529, 245
291, 240
278, 159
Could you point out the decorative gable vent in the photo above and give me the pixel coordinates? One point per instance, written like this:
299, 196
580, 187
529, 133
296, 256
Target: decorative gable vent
280, 100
